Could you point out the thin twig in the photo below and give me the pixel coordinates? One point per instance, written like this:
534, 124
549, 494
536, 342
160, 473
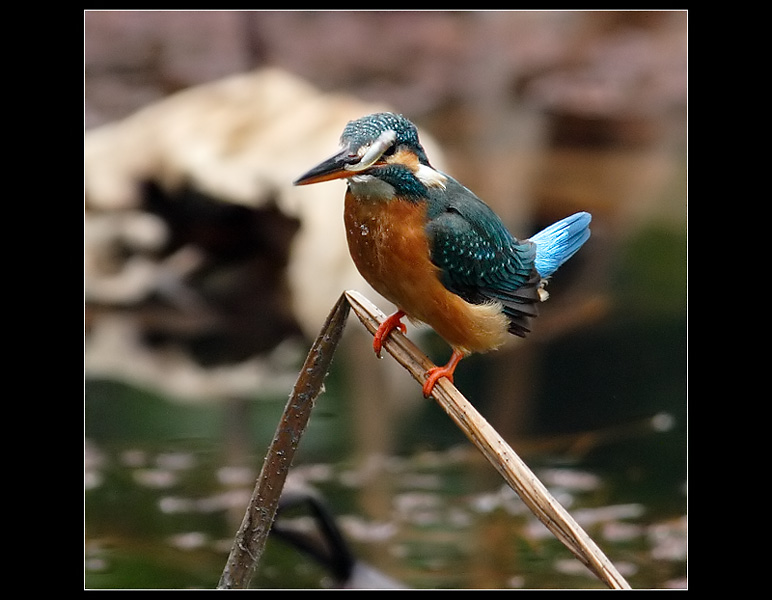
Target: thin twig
495, 449
250, 540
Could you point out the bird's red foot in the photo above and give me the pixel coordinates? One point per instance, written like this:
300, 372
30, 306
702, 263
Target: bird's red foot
435, 373
389, 324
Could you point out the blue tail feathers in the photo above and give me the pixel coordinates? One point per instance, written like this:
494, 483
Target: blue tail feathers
558, 242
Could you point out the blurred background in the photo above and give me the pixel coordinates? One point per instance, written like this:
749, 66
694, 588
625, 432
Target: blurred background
207, 275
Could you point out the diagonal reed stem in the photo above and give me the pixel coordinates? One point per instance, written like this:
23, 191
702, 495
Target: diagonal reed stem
514, 471
250, 540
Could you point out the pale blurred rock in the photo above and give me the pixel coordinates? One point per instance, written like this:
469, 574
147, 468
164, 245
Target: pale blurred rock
170, 189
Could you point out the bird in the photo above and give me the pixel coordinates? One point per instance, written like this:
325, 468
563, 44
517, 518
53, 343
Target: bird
434, 249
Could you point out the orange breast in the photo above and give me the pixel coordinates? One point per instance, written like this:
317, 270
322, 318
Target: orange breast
388, 244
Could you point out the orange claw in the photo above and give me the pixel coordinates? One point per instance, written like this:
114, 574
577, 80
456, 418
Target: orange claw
435, 373
389, 324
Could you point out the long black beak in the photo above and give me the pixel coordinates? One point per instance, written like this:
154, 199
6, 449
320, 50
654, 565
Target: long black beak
334, 167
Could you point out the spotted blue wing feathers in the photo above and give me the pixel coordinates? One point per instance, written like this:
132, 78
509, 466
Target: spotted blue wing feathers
481, 261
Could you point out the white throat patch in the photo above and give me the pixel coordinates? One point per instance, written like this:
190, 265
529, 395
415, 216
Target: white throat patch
372, 188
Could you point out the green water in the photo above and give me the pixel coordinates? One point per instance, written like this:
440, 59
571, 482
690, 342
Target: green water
163, 516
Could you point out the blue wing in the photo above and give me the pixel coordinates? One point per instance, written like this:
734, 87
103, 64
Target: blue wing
478, 258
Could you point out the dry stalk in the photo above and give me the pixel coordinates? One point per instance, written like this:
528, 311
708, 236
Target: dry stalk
494, 448
252, 535
250, 540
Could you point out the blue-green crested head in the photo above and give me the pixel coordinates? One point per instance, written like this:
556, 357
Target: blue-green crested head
380, 156
373, 130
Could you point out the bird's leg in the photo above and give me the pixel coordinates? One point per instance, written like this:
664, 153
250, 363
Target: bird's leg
435, 373
389, 324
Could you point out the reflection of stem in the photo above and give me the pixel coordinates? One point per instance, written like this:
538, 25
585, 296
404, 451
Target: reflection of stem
251, 537
250, 540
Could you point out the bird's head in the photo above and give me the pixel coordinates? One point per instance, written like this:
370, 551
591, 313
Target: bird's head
381, 146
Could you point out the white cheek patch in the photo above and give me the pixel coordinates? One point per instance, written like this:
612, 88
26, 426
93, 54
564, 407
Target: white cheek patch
374, 151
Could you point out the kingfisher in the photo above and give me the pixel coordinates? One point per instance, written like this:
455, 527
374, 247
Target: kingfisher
433, 248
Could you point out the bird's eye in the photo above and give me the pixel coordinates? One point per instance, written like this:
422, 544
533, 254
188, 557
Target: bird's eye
390, 150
